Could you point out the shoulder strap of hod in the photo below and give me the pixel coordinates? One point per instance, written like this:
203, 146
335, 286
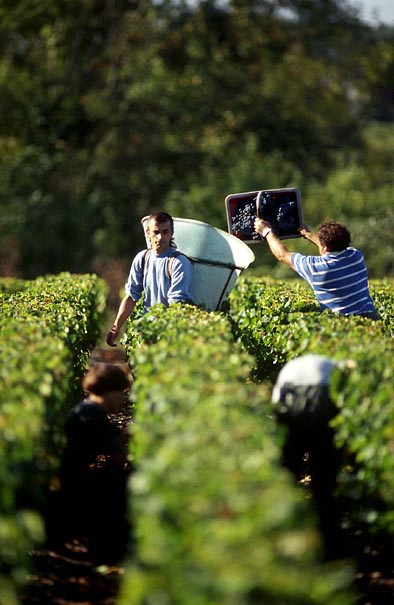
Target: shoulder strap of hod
173, 256
144, 259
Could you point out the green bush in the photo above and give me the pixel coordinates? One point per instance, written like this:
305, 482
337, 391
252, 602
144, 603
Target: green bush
46, 329
70, 306
217, 519
278, 321
12, 284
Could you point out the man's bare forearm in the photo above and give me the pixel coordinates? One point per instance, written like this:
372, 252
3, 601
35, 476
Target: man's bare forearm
126, 308
309, 235
275, 244
278, 248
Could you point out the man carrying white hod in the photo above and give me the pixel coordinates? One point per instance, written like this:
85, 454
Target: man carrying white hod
161, 272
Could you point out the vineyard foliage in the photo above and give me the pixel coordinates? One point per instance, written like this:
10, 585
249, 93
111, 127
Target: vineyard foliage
217, 518
47, 328
279, 320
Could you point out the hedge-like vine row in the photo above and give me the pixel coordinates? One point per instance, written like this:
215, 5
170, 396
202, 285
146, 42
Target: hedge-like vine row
217, 519
279, 320
47, 327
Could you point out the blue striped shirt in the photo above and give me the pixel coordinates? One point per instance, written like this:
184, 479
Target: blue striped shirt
339, 280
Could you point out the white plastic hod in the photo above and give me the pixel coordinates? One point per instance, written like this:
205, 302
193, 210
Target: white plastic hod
218, 259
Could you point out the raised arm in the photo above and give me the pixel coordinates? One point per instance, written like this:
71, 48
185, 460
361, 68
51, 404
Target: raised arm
275, 244
307, 234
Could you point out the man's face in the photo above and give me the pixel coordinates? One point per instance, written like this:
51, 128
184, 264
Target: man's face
160, 235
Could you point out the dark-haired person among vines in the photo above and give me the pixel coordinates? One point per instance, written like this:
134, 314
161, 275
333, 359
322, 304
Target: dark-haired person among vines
162, 273
338, 275
91, 503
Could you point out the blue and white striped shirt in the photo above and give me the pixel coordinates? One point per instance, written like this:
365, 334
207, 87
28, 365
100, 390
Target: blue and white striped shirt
339, 280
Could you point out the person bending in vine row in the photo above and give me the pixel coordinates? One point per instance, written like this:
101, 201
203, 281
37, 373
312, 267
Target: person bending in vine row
338, 276
303, 405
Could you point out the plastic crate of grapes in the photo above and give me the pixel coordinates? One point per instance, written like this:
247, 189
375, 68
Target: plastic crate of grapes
280, 207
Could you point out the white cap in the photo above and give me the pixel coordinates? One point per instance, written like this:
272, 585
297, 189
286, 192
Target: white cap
307, 370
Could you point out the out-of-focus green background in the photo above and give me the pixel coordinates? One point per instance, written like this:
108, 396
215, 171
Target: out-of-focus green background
113, 109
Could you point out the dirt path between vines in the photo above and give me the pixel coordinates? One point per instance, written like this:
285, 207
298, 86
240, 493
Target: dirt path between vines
68, 576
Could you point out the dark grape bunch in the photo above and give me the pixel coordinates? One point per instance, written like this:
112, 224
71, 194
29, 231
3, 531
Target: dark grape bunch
243, 220
282, 214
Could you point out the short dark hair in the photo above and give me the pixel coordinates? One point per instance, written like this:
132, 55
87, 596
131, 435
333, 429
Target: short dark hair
334, 236
103, 377
161, 217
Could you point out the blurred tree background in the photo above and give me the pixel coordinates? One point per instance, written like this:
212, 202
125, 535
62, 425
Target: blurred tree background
111, 109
